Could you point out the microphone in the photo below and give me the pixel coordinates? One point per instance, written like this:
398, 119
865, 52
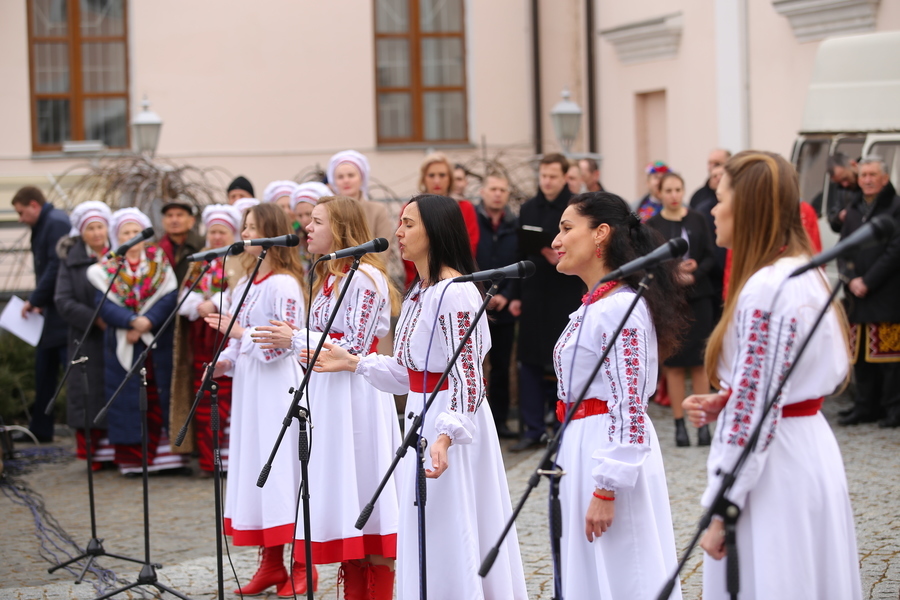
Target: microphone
520, 270
217, 253
281, 240
672, 249
376, 245
876, 231
124, 248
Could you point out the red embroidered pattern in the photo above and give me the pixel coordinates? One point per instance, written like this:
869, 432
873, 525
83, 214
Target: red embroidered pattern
745, 396
134, 289
786, 362
465, 371
212, 283
607, 362
558, 350
366, 321
631, 357
408, 321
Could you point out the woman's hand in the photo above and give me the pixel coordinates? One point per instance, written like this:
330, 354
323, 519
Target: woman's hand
278, 335
222, 367
100, 324
221, 322
332, 359
142, 324
703, 408
685, 272
713, 541
439, 462
206, 308
599, 515
132, 336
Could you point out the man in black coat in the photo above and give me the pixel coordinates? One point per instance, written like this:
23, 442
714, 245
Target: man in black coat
48, 225
872, 301
497, 247
547, 298
703, 201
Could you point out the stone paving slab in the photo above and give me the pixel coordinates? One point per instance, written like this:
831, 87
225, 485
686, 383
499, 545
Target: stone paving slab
183, 528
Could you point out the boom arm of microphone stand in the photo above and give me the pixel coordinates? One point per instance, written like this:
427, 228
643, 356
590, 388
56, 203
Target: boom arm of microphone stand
298, 393
79, 345
143, 356
553, 447
720, 504
409, 440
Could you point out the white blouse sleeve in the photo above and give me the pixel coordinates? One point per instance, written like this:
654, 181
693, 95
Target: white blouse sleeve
627, 372
466, 378
384, 372
191, 303
765, 350
284, 304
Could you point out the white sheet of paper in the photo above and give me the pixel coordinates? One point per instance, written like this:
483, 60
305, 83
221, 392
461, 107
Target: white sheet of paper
28, 329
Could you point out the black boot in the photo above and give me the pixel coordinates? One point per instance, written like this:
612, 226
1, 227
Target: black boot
681, 434
703, 436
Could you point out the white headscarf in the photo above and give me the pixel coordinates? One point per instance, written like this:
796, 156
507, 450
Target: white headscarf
277, 189
222, 214
87, 213
127, 215
243, 204
310, 193
357, 160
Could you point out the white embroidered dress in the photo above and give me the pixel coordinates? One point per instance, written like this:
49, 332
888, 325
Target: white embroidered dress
356, 430
795, 534
468, 505
617, 451
261, 378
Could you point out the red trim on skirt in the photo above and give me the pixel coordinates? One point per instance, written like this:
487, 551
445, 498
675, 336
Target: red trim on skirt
349, 549
268, 537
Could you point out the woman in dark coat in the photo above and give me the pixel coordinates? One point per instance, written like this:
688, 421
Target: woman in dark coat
677, 220
75, 301
142, 297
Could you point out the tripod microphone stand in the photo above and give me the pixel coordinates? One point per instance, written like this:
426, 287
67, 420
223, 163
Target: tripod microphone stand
302, 416
94, 547
548, 467
147, 575
209, 384
721, 505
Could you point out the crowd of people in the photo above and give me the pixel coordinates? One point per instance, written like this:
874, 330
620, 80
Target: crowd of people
704, 324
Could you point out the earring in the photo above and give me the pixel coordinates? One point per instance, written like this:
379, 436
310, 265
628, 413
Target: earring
599, 251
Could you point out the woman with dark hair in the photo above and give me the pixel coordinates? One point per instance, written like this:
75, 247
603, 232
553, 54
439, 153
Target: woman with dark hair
610, 449
261, 378
356, 424
676, 220
468, 498
795, 532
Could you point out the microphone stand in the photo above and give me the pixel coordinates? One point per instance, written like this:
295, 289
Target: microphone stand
548, 467
94, 547
208, 383
302, 415
413, 439
721, 505
147, 575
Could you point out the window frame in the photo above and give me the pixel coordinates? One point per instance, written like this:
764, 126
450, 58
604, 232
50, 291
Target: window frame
76, 95
416, 89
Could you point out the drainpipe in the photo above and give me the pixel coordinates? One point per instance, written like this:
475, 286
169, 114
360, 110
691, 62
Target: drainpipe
536, 76
591, 76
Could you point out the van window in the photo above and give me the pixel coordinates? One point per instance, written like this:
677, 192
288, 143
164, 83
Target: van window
812, 167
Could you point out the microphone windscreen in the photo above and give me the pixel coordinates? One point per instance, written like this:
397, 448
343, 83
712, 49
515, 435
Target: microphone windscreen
679, 246
883, 226
292, 240
148, 233
526, 269
380, 244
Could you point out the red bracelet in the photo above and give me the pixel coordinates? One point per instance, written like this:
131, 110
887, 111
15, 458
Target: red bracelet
607, 498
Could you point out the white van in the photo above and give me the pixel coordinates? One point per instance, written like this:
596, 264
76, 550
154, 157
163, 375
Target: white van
852, 107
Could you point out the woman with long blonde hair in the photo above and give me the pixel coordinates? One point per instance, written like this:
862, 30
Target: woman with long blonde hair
357, 430
795, 532
261, 378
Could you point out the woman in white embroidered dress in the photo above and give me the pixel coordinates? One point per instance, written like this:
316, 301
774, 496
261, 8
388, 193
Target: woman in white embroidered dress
356, 431
795, 532
617, 539
468, 498
264, 516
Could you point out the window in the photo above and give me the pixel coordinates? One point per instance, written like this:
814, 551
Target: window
420, 75
79, 72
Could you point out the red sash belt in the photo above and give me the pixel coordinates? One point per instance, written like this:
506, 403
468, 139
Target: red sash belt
807, 408
337, 336
590, 407
431, 379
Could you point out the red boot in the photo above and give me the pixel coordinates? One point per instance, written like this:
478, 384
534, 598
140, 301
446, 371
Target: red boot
381, 582
296, 583
353, 575
271, 572
365, 581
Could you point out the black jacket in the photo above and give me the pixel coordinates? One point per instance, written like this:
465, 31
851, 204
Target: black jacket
52, 225
498, 249
703, 201
700, 249
549, 296
878, 265
75, 300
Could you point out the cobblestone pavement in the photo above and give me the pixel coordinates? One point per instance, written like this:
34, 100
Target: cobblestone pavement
183, 528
